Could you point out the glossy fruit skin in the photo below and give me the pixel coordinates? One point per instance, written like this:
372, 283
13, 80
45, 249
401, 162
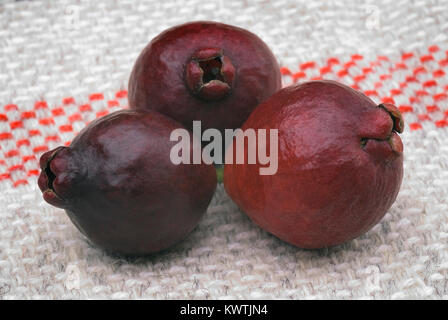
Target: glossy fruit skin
119, 187
340, 165
165, 75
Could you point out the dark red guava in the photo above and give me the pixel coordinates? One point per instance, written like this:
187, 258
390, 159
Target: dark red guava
206, 71
340, 165
119, 187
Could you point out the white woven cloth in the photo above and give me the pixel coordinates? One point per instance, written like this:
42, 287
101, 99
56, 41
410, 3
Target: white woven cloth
64, 63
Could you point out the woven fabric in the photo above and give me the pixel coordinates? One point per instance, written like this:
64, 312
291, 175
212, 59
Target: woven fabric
62, 64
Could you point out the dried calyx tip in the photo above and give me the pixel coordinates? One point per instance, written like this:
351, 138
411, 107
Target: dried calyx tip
209, 74
397, 127
47, 178
395, 114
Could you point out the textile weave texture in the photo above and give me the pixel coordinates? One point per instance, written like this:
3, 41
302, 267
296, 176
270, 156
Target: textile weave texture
64, 63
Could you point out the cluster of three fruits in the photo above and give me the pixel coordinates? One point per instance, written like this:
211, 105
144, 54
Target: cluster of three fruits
340, 161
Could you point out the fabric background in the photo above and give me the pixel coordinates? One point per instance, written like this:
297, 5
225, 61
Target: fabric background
63, 63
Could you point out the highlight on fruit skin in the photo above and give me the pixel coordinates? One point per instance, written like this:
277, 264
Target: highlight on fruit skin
118, 186
340, 165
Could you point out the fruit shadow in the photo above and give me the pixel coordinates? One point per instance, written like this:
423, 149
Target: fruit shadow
238, 223
227, 231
